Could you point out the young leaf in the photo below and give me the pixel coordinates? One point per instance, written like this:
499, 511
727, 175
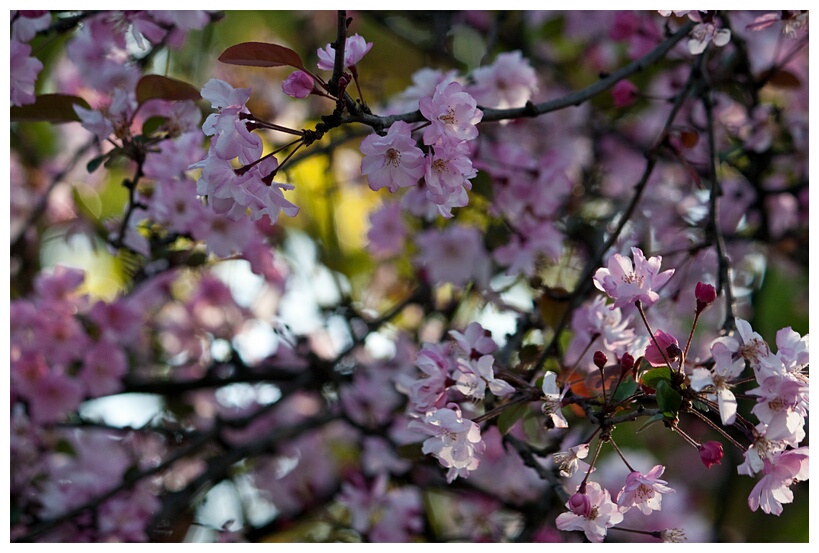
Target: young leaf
649, 422
94, 164
261, 54
151, 87
510, 416
624, 390
49, 108
655, 375
668, 400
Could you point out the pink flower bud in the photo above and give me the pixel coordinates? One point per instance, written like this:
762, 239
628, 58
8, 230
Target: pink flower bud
624, 93
600, 359
298, 85
710, 453
627, 361
580, 504
705, 294
668, 344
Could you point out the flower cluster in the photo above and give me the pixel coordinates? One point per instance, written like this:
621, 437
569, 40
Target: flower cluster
395, 161
235, 192
464, 372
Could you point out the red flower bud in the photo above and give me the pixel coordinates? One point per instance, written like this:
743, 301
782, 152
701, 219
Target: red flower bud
580, 504
705, 294
627, 361
600, 359
710, 453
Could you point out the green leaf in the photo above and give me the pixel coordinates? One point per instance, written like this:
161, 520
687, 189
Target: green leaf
49, 108
668, 400
261, 54
151, 87
529, 354
510, 416
64, 446
624, 390
94, 164
656, 375
153, 124
652, 420
410, 451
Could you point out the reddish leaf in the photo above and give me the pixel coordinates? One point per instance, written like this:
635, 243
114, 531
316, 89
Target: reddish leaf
261, 54
689, 139
49, 108
783, 78
151, 87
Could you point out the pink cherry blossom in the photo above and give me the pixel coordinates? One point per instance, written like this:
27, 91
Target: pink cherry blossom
448, 171
780, 473
104, 365
394, 160
424, 82
604, 514
355, 48
792, 349
508, 82
455, 254
569, 462
782, 406
533, 241
553, 401
626, 283
718, 380
454, 441
53, 396
705, 33
388, 232
473, 377
474, 341
596, 319
27, 23
23, 73
644, 491
430, 391
452, 112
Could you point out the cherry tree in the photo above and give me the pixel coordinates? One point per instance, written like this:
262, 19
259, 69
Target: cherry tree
408, 277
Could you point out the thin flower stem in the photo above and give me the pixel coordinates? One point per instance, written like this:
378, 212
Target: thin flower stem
579, 358
651, 334
716, 427
653, 533
686, 437
620, 453
725, 275
275, 127
691, 334
603, 385
591, 465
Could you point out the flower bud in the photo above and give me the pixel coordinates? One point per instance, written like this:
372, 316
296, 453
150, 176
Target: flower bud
665, 341
710, 453
624, 93
705, 294
580, 504
600, 359
298, 85
627, 361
